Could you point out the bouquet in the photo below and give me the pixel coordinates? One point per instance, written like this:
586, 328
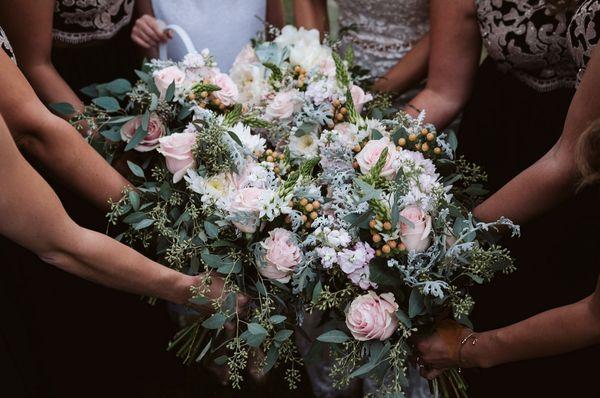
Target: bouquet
270, 178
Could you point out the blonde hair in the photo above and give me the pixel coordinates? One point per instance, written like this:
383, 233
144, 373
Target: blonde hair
587, 154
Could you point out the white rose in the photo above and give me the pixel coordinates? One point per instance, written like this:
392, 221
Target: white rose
367, 158
416, 237
283, 105
306, 146
165, 77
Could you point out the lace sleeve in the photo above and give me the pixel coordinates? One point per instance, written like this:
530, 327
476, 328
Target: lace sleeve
584, 32
5, 45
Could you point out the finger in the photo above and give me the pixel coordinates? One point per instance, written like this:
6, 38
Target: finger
152, 33
138, 40
163, 34
143, 36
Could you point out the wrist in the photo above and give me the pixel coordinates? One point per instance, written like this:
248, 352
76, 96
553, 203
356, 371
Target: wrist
180, 291
478, 355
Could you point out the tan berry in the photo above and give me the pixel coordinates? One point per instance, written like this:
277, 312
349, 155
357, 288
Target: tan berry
386, 249
313, 215
437, 150
402, 141
303, 202
376, 238
308, 207
387, 225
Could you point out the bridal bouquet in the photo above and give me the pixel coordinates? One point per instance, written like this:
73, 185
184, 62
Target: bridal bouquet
394, 251
270, 178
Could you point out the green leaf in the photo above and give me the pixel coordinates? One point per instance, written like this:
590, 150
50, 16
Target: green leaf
145, 120
357, 220
277, 319
229, 267
109, 104
143, 224
316, 292
135, 169
120, 119
204, 351
138, 137
216, 321
416, 303
402, 317
305, 128
283, 335
134, 218
222, 360
170, 92
376, 134
272, 356
366, 368
62, 108
211, 229
254, 340
211, 260
257, 329
333, 336
235, 138
113, 135
116, 87
134, 198
153, 102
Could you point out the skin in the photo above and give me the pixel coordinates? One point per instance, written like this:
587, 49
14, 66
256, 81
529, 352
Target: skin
455, 51
28, 24
553, 332
33, 217
148, 33
410, 70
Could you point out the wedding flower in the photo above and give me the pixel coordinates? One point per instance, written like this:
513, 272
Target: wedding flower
156, 129
290, 35
177, 150
165, 77
251, 81
328, 256
283, 105
359, 98
306, 146
372, 316
355, 264
281, 257
253, 143
246, 56
367, 158
228, 94
416, 237
245, 208
193, 60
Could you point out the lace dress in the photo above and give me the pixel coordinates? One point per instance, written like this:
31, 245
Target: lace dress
382, 32
5, 46
92, 43
516, 113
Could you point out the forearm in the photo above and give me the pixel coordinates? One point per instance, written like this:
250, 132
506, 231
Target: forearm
100, 259
275, 13
311, 14
50, 86
441, 108
409, 71
553, 332
144, 7
56, 146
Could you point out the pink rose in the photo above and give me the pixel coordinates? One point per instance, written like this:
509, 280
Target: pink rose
359, 98
228, 94
164, 77
416, 237
177, 150
367, 158
372, 317
246, 203
283, 105
156, 129
282, 256
246, 56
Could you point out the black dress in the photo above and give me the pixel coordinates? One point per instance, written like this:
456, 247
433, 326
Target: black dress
61, 336
516, 114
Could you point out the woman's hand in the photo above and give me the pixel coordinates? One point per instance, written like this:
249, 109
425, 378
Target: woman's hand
443, 349
213, 288
148, 32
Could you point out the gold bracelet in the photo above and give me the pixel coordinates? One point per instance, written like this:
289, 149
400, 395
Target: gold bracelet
471, 335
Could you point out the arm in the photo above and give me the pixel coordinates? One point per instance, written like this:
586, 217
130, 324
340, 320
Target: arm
410, 70
28, 24
311, 14
275, 13
552, 178
33, 217
54, 143
147, 32
455, 49
553, 332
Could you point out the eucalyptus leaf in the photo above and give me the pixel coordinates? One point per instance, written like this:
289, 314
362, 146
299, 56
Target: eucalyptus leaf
283, 335
135, 169
416, 303
257, 329
333, 336
109, 104
277, 319
216, 321
134, 199
138, 137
